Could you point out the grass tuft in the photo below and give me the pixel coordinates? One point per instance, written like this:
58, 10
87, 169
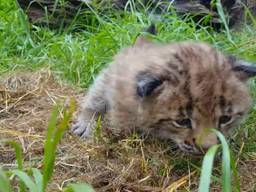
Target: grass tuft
207, 165
18, 155
4, 182
53, 136
37, 182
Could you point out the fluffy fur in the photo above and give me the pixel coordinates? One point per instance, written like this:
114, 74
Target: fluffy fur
175, 91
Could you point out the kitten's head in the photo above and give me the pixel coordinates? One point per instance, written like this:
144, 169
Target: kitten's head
189, 88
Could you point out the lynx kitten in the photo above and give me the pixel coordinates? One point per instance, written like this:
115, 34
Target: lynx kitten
174, 91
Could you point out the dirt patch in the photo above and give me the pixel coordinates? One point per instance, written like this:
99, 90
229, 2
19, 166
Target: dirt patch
132, 164
247, 169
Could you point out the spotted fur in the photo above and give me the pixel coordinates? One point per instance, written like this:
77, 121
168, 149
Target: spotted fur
173, 91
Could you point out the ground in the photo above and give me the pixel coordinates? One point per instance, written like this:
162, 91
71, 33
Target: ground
132, 164
40, 67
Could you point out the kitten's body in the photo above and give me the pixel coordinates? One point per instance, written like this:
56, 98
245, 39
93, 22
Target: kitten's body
174, 91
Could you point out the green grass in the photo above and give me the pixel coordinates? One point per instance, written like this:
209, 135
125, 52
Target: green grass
207, 166
76, 56
36, 180
33, 179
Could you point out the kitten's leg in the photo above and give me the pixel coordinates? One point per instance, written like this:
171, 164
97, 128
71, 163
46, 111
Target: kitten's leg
122, 123
94, 105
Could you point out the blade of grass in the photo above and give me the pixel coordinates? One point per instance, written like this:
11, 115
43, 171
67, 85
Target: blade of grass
205, 178
25, 25
63, 125
54, 134
226, 170
97, 132
49, 156
4, 182
26, 179
248, 13
38, 177
214, 178
18, 154
79, 188
235, 173
223, 19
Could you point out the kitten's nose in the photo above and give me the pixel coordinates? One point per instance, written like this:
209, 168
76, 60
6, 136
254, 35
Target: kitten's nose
190, 141
208, 140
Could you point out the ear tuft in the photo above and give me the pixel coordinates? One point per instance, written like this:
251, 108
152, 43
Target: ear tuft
248, 70
244, 69
146, 83
152, 29
143, 40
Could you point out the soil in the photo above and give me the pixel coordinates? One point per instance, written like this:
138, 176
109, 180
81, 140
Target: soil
131, 164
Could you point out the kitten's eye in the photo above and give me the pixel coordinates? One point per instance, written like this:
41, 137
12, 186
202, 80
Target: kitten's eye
225, 119
183, 123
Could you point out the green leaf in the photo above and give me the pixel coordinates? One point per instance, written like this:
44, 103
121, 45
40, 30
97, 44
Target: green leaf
223, 19
235, 173
38, 177
18, 154
25, 25
4, 182
248, 13
206, 173
26, 179
79, 188
53, 136
49, 154
97, 132
226, 170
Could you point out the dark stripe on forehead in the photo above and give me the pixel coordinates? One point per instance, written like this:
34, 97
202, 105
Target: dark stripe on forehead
189, 109
172, 74
199, 78
178, 57
189, 96
181, 112
199, 109
172, 65
186, 111
222, 101
225, 105
229, 109
173, 79
222, 104
177, 65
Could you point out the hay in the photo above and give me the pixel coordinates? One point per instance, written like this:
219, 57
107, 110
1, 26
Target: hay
131, 164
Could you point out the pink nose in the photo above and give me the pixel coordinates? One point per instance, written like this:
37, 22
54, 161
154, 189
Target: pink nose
190, 141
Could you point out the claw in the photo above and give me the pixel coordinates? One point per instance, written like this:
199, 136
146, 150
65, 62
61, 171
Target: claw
81, 129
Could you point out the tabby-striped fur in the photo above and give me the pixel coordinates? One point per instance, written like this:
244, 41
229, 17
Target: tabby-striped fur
175, 91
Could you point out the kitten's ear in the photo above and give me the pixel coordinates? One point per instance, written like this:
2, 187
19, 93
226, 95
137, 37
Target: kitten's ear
152, 29
146, 83
142, 40
244, 69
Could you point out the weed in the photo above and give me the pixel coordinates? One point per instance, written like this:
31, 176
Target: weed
33, 179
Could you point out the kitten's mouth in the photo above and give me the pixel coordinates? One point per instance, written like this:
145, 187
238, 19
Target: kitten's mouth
191, 149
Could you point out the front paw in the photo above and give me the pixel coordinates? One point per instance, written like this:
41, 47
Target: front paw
82, 129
